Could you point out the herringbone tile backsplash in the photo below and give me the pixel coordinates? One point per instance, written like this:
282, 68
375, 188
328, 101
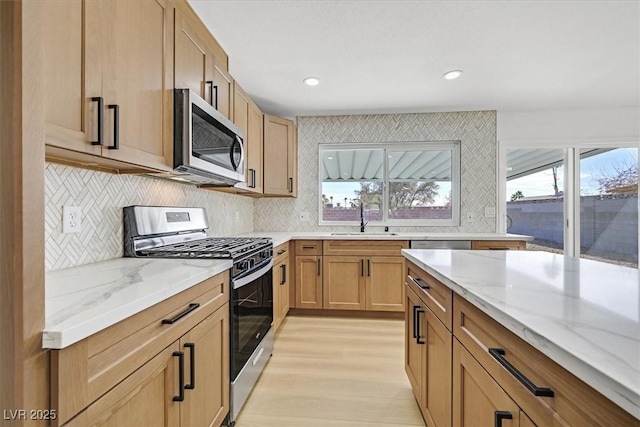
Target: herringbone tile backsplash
102, 196
475, 129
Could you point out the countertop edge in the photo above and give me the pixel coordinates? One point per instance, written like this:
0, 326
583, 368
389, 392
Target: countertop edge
57, 339
618, 393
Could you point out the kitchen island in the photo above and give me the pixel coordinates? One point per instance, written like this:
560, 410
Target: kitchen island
582, 314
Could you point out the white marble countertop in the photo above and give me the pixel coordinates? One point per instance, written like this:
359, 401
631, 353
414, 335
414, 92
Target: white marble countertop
583, 314
81, 301
280, 237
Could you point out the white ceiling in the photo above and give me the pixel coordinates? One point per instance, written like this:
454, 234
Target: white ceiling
389, 56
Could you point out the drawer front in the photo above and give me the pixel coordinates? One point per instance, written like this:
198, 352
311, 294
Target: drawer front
84, 371
364, 247
573, 403
308, 247
435, 295
280, 253
499, 245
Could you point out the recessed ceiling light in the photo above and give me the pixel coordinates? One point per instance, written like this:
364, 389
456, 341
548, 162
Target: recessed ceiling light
329, 158
453, 74
311, 81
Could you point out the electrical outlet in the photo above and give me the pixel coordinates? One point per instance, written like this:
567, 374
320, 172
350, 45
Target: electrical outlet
469, 217
71, 219
304, 216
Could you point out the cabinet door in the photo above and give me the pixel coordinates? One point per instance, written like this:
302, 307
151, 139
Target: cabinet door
194, 63
223, 92
343, 284
255, 139
278, 154
436, 387
73, 74
283, 290
309, 281
138, 78
414, 348
478, 401
385, 283
278, 280
206, 349
145, 398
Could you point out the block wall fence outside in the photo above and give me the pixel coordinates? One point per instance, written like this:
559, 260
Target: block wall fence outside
476, 131
103, 195
608, 224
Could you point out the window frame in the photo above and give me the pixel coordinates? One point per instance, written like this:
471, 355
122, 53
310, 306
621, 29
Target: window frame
451, 145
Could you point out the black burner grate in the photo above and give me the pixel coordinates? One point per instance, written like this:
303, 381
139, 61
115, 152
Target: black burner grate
213, 247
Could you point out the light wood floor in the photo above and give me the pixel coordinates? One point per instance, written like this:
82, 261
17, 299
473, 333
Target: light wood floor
328, 372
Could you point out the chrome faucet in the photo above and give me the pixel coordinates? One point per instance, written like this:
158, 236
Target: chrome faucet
362, 223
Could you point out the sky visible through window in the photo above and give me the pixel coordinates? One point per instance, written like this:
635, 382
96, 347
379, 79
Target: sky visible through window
541, 183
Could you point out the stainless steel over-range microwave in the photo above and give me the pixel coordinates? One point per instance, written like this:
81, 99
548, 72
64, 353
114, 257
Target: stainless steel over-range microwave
208, 147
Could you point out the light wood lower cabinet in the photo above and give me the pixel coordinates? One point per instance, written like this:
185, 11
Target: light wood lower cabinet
281, 284
499, 245
497, 378
363, 283
309, 281
478, 401
428, 360
144, 398
129, 373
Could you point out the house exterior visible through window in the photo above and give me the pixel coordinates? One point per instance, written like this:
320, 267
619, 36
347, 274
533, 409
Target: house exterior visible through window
390, 184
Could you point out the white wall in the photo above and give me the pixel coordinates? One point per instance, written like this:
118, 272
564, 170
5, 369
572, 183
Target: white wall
570, 126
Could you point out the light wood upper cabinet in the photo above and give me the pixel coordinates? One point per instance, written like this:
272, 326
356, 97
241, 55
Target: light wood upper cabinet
194, 62
223, 91
248, 117
280, 157
121, 53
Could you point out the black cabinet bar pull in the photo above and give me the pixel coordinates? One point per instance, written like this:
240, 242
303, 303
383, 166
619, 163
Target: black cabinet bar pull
501, 415
290, 185
499, 355
418, 339
308, 247
281, 252
116, 126
418, 281
180, 356
100, 101
211, 100
415, 321
368, 267
252, 173
179, 316
319, 272
215, 90
192, 360
362, 267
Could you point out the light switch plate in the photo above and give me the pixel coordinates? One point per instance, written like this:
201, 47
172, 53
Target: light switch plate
490, 212
71, 219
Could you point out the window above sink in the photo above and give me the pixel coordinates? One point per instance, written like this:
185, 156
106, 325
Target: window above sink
410, 184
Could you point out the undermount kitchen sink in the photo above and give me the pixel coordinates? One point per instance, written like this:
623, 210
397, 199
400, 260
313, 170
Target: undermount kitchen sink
364, 234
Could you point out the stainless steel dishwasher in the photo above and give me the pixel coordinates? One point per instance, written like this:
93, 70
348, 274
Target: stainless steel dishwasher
440, 244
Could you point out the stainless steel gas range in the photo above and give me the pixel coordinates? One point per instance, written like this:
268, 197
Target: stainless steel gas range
175, 232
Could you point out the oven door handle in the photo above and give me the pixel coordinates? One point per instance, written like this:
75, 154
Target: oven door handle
253, 276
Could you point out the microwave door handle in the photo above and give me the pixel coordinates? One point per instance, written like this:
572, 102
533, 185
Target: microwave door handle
239, 142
